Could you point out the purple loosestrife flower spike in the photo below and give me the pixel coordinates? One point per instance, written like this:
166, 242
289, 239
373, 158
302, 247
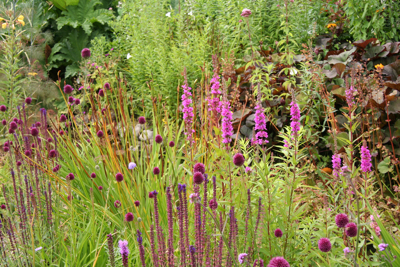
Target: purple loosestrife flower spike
336, 162
187, 110
227, 128
110, 243
214, 99
124, 250
351, 229
261, 135
350, 97
278, 262
295, 117
141, 248
341, 220
365, 158
324, 244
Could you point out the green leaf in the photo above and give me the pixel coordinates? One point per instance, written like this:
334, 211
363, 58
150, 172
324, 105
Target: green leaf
384, 165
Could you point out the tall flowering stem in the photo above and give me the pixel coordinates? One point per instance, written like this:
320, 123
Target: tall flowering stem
213, 100
336, 162
141, 248
295, 117
188, 113
260, 127
170, 228
227, 129
181, 228
365, 158
124, 250
350, 97
110, 243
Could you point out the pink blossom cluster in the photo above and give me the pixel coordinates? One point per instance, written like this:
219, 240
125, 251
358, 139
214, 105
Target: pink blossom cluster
213, 103
375, 226
336, 161
227, 129
365, 158
350, 96
260, 127
188, 112
295, 117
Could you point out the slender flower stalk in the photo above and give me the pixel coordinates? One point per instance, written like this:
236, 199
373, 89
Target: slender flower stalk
124, 250
350, 97
153, 247
336, 162
170, 228
295, 117
110, 243
214, 105
141, 249
365, 158
227, 129
181, 228
187, 110
260, 128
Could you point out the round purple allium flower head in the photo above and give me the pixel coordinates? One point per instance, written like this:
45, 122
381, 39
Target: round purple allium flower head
19, 163
278, 262
245, 13
100, 134
38, 124
11, 131
101, 92
69, 198
85, 52
6, 149
238, 159
278, 232
4, 122
156, 171
158, 139
33, 145
28, 153
3, 108
213, 204
171, 144
137, 203
131, 165
93, 175
382, 246
242, 257
117, 204
198, 178
119, 177
129, 217
151, 195
107, 86
351, 229
16, 120
28, 100
71, 176
3, 207
61, 132
68, 89
142, 120
324, 244
199, 167
77, 101
341, 220
34, 131
71, 99
100, 188
13, 125
63, 118
52, 153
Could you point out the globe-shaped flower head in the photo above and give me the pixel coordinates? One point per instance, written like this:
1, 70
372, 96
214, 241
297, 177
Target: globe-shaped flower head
198, 178
85, 53
351, 229
213, 204
28, 100
246, 13
119, 177
238, 159
278, 262
68, 89
3, 108
341, 220
129, 217
107, 86
34, 131
142, 120
199, 167
137, 203
324, 244
158, 139
63, 118
278, 232
171, 144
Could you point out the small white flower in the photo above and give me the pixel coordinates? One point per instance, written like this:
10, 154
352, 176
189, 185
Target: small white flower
128, 56
168, 14
190, 13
